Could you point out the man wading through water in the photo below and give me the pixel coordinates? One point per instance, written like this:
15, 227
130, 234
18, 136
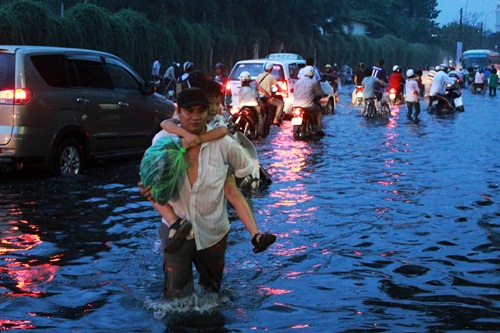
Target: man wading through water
195, 226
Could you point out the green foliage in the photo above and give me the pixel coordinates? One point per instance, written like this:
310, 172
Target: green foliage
228, 30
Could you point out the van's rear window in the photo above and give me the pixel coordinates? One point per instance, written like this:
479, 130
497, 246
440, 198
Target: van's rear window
7, 70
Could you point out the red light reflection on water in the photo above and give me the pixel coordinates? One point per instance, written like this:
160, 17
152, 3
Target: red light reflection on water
26, 276
29, 277
6, 324
273, 291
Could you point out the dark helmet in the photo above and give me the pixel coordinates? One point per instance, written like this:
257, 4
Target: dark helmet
380, 62
219, 65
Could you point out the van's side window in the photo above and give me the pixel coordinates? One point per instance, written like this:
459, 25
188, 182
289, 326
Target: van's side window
293, 69
91, 73
52, 69
122, 80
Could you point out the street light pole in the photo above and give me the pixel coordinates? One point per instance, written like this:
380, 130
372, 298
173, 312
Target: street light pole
485, 26
486, 19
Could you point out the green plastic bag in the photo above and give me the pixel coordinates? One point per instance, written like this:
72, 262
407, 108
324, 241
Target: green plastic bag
160, 167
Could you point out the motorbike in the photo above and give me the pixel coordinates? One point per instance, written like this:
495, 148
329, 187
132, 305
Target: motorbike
371, 110
269, 110
478, 88
359, 95
245, 120
259, 176
304, 124
396, 96
449, 102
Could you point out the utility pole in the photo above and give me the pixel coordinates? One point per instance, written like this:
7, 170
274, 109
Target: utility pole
458, 55
481, 36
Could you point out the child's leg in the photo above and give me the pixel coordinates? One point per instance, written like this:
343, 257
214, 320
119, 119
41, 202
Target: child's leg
178, 228
233, 194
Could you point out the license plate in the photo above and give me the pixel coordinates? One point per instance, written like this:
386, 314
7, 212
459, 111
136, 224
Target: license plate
297, 121
360, 94
458, 101
392, 96
435, 102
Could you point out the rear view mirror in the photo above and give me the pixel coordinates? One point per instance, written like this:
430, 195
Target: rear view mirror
148, 88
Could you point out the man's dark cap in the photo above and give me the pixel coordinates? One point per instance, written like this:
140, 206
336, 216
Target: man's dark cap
192, 96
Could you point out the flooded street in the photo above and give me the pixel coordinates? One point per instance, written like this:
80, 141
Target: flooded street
382, 227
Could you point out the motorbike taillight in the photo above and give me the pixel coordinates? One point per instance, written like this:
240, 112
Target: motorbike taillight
392, 91
234, 110
297, 112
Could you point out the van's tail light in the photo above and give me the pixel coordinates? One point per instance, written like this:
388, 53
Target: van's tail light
228, 87
15, 96
283, 86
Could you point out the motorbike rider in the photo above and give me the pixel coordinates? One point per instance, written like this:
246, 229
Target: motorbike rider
438, 86
306, 91
182, 81
219, 76
359, 75
266, 80
310, 62
479, 80
331, 77
169, 78
248, 97
371, 88
397, 81
379, 70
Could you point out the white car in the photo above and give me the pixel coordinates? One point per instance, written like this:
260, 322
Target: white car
286, 68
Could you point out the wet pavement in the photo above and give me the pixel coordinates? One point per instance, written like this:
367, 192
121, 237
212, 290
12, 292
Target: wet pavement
383, 226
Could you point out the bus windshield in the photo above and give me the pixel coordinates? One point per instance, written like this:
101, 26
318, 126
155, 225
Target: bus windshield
480, 58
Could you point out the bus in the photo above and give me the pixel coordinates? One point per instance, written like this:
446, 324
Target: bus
480, 58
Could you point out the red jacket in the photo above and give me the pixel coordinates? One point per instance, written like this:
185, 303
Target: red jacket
395, 80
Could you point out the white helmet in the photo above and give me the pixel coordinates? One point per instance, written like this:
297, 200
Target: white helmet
437, 68
410, 73
188, 65
309, 71
268, 66
245, 76
395, 68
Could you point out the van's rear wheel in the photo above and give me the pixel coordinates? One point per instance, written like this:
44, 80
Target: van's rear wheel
68, 159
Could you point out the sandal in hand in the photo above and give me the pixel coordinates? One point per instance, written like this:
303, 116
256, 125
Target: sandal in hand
262, 241
177, 234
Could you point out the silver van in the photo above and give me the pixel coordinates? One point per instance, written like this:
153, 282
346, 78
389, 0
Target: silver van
61, 108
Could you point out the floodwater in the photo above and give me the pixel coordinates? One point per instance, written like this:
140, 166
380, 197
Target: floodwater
382, 227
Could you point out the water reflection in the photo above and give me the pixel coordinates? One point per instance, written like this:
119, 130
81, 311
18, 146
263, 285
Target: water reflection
382, 227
